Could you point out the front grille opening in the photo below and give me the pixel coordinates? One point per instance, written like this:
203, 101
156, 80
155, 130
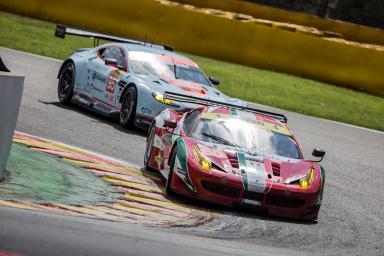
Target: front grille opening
221, 189
275, 169
253, 196
284, 202
232, 156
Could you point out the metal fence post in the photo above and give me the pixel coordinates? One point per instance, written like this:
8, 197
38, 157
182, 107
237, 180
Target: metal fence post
11, 89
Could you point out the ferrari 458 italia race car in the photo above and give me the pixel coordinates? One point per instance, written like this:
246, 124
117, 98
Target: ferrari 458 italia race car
127, 78
235, 156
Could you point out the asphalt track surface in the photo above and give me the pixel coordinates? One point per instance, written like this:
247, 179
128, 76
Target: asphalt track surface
350, 221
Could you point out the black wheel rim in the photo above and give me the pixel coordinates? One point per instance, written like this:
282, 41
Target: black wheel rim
65, 82
126, 107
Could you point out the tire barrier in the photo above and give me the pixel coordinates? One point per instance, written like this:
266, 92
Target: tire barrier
249, 43
349, 31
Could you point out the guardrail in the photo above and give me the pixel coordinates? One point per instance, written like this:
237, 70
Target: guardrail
247, 43
11, 88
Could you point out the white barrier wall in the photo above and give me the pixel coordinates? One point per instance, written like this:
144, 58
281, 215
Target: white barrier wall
11, 89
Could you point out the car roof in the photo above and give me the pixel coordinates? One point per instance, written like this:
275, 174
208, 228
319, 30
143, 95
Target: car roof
154, 49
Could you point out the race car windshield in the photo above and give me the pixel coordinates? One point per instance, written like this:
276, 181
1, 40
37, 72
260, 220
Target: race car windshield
166, 67
251, 137
192, 74
150, 64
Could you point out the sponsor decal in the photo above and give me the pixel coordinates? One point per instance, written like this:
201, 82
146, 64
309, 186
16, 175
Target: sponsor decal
96, 76
252, 202
157, 159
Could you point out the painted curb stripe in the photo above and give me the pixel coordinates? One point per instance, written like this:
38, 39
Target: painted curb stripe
142, 192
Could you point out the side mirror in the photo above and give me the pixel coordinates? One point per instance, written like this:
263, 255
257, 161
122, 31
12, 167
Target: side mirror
170, 124
214, 80
318, 153
113, 63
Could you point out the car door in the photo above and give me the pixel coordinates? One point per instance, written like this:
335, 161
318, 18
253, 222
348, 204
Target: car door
103, 78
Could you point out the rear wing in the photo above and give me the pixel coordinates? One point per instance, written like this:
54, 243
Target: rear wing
200, 101
62, 30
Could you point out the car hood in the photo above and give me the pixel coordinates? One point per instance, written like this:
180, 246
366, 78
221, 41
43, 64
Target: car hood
281, 169
189, 88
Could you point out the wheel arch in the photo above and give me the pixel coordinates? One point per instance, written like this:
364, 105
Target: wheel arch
63, 65
125, 91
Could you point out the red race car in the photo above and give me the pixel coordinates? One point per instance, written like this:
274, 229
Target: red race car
235, 156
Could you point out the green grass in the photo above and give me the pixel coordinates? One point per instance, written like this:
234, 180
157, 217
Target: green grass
264, 87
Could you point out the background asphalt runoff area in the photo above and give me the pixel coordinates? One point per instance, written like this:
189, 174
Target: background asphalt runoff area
350, 221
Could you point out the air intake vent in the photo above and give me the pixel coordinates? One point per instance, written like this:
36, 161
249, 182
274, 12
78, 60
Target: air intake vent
275, 169
221, 189
232, 156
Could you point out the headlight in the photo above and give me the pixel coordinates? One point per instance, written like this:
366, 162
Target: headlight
203, 162
159, 97
306, 182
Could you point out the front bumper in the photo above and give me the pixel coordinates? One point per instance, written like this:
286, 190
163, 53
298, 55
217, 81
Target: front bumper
226, 189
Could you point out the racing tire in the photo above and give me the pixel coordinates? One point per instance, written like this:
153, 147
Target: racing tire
128, 108
148, 149
66, 83
168, 189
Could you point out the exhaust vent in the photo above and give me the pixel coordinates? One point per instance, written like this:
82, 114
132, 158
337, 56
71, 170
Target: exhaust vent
275, 169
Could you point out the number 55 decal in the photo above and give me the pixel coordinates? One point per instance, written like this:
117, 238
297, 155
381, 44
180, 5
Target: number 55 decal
112, 79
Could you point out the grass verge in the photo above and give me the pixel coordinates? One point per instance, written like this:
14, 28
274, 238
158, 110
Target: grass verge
261, 86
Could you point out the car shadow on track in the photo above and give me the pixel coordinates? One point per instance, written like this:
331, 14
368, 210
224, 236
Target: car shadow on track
97, 117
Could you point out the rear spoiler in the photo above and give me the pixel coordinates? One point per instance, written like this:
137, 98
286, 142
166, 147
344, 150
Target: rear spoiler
200, 101
62, 30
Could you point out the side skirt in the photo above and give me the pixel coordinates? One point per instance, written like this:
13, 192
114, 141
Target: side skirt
95, 105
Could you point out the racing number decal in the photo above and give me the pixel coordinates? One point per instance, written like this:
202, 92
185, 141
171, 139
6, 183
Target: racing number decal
112, 79
111, 84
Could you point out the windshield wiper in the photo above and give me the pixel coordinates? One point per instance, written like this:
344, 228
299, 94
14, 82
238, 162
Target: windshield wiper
222, 140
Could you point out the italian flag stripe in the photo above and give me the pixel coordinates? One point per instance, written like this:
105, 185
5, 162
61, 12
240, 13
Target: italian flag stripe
243, 169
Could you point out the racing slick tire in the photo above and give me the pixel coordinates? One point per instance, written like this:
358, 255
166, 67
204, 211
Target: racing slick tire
128, 108
148, 149
66, 83
168, 184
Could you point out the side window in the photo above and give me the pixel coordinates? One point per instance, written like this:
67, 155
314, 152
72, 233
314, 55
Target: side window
105, 53
114, 53
118, 54
190, 121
